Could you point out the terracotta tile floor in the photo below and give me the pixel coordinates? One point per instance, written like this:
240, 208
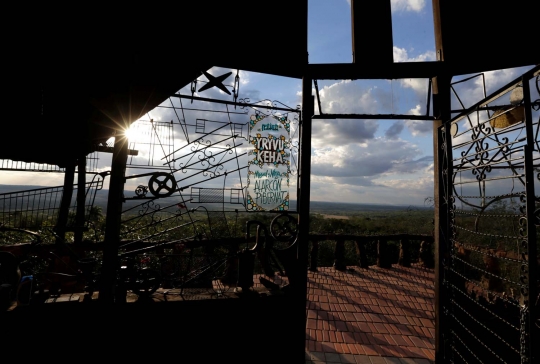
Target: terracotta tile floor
371, 315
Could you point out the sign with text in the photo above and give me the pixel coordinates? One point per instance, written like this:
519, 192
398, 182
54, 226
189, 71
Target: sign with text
269, 163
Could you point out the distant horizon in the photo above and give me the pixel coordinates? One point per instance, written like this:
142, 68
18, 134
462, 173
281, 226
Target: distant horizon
20, 188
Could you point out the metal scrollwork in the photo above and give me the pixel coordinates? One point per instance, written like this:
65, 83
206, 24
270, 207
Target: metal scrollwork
141, 191
523, 334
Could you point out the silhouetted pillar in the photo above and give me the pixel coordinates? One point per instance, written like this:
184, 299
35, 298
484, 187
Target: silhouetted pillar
426, 254
361, 252
404, 253
339, 255
304, 186
314, 256
67, 194
113, 219
441, 147
532, 276
383, 260
81, 199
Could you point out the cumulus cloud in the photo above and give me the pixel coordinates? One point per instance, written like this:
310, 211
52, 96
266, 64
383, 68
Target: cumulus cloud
347, 97
394, 130
472, 91
403, 191
395, 191
419, 127
418, 85
402, 55
367, 160
340, 132
408, 5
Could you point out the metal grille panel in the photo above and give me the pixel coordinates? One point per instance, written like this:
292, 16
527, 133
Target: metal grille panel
491, 167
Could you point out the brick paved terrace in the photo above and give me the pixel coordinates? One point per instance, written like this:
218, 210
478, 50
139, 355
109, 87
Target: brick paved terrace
371, 315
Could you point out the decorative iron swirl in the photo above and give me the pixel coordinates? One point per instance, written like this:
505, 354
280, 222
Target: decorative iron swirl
149, 207
141, 191
505, 148
212, 174
204, 155
182, 168
444, 166
152, 210
523, 318
522, 226
271, 105
206, 158
481, 149
200, 144
524, 273
536, 105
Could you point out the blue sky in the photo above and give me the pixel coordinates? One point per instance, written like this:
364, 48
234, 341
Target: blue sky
361, 161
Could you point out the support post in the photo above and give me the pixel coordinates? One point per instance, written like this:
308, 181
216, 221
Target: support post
304, 186
339, 255
67, 194
531, 269
404, 253
113, 218
81, 199
361, 252
442, 180
383, 260
314, 256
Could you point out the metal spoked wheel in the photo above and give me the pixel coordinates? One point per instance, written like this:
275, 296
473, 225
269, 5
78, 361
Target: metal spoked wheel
162, 184
284, 228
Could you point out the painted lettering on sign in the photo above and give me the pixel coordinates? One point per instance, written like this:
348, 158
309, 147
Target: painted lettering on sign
269, 165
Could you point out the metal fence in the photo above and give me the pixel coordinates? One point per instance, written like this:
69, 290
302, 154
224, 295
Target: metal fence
37, 208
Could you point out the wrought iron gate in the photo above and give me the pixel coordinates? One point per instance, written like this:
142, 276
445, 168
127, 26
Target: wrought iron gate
196, 179
196, 170
490, 187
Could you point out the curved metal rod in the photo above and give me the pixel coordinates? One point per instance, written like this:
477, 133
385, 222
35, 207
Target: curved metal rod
38, 238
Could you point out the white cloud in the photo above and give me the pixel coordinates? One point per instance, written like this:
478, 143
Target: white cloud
418, 85
339, 132
32, 178
416, 110
367, 160
472, 91
346, 97
402, 55
407, 5
356, 97
397, 191
394, 130
420, 127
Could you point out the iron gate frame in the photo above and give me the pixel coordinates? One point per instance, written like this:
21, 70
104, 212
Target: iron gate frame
529, 310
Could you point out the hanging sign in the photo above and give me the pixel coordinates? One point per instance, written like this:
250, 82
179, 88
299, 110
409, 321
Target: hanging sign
269, 163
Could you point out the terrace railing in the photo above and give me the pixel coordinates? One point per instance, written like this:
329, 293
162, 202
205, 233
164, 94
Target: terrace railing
376, 250
39, 207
